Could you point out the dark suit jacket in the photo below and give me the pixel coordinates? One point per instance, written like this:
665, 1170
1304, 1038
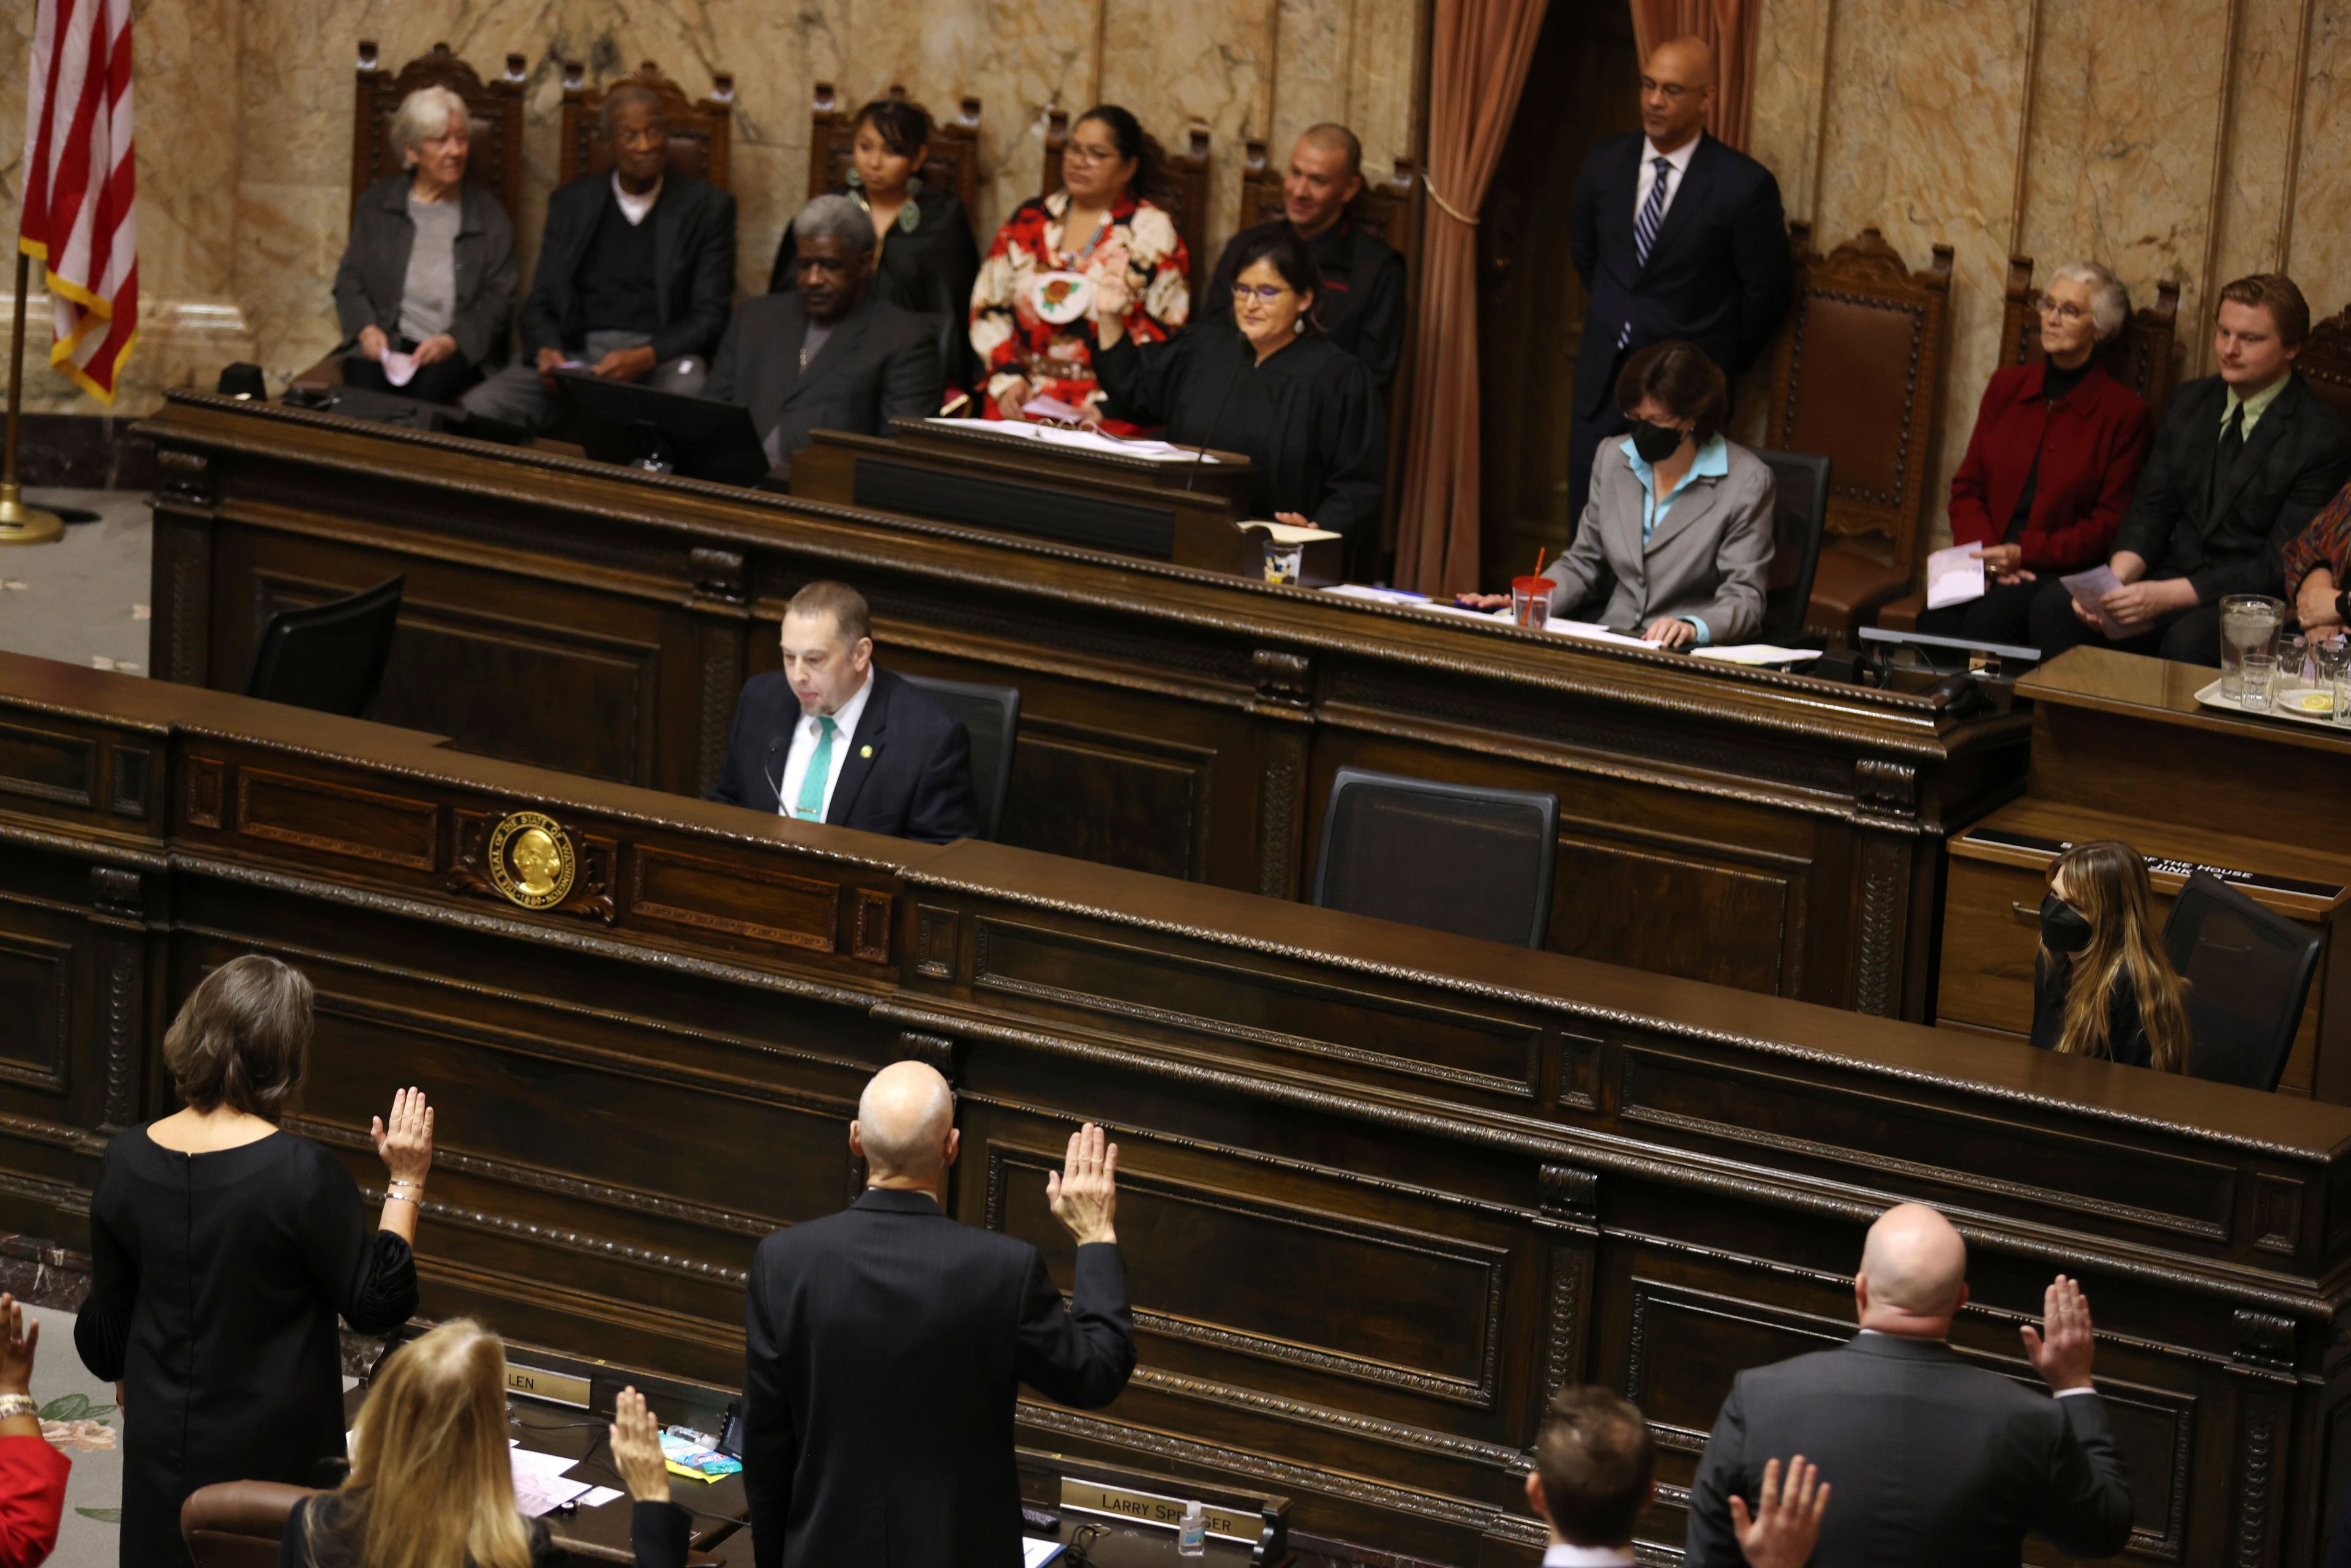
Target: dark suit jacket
908, 772
1934, 1463
374, 270
1719, 273
2228, 533
884, 1348
693, 264
2083, 456
927, 269
880, 361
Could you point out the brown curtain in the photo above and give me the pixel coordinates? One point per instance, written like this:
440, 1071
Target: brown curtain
1478, 51
1729, 26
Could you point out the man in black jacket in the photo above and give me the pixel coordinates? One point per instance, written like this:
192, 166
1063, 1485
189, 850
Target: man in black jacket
1675, 235
831, 353
2244, 460
636, 274
833, 738
884, 1347
1936, 1461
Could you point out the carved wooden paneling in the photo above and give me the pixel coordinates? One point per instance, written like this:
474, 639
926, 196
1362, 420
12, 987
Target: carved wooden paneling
735, 898
48, 765
1675, 914
37, 1001
1099, 796
130, 772
338, 819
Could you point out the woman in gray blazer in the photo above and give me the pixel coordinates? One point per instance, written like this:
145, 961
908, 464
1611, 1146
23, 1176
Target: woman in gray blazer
426, 287
1678, 531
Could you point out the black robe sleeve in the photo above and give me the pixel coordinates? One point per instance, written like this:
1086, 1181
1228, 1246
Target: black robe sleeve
1142, 381
102, 1327
1351, 438
369, 1275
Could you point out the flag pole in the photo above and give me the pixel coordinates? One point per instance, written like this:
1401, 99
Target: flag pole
20, 524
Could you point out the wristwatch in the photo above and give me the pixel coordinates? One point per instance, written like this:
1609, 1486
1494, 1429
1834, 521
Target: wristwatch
17, 1405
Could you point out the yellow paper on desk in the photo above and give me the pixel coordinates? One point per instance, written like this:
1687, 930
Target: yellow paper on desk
1290, 533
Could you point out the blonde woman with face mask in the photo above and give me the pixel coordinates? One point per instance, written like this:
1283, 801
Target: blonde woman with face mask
2102, 985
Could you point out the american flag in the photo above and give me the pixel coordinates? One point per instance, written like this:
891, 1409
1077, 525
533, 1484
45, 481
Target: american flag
79, 217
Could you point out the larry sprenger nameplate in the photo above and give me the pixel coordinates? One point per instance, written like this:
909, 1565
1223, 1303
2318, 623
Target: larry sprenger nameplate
1151, 1508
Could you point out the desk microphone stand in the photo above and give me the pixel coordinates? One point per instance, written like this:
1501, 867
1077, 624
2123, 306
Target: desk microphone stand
20, 524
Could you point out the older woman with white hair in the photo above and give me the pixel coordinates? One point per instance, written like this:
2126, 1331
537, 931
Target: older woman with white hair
425, 291
2052, 464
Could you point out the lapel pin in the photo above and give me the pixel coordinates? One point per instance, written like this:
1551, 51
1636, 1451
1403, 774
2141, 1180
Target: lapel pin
865, 751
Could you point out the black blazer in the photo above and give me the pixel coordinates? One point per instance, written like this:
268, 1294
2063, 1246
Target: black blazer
1719, 273
1935, 1462
928, 268
2125, 1035
883, 1346
908, 773
879, 363
693, 264
2227, 533
374, 269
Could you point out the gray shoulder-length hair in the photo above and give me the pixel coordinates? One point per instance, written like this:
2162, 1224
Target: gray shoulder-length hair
424, 116
835, 218
2109, 300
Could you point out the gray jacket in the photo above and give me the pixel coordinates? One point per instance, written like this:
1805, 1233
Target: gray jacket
1708, 557
374, 271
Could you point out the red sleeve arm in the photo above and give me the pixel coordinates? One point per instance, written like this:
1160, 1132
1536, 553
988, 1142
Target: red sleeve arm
2091, 539
32, 1495
1971, 523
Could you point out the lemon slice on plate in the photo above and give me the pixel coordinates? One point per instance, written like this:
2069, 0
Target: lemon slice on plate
2311, 701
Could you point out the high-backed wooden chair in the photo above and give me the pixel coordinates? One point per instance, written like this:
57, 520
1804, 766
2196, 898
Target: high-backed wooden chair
1185, 198
2326, 361
1858, 378
2139, 356
952, 163
1385, 207
698, 132
494, 159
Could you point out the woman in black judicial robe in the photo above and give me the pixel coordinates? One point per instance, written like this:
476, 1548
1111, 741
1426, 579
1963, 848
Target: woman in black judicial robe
1267, 384
222, 1250
925, 257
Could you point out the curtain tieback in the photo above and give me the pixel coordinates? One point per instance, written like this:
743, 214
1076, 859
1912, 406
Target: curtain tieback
1456, 213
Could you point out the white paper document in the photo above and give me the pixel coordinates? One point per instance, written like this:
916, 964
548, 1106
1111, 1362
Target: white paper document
1954, 576
538, 1481
1592, 631
1290, 533
1050, 408
1378, 595
2088, 587
1085, 440
1756, 654
599, 1496
1036, 1553
399, 369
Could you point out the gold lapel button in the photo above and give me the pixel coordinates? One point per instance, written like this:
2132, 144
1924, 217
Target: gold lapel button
866, 752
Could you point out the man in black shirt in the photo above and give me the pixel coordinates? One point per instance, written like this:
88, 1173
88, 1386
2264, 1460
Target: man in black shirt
1361, 302
636, 274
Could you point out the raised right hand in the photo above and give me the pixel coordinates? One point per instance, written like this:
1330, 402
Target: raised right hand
1083, 1194
1787, 1519
373, 342
2061, 1349
18, 1342
405, 1145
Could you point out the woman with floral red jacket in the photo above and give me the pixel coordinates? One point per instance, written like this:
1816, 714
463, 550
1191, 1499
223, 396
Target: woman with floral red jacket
2052, 462
32, 1473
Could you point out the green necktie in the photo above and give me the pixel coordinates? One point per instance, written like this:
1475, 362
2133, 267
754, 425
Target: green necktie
820, 768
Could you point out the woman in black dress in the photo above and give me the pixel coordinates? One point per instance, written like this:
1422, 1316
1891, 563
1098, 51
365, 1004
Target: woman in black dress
2102, 984
925, 257
221, 1250
1266, 383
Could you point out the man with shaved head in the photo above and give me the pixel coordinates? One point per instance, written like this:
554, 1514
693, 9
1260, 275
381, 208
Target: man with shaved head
886, 1344
1937, 1458
1675, 235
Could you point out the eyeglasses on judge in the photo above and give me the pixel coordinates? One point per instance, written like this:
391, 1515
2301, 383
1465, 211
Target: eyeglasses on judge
1263, 293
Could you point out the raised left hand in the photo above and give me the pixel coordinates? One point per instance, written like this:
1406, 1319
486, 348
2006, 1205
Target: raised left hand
405, 1144
435, 349
636, 1449
626, 364
1670, 632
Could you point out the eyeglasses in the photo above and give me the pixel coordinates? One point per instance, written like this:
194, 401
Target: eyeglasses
1079, 153
1263, 293
2067, 311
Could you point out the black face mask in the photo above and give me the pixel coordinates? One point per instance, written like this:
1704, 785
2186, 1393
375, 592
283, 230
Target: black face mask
2062, 929
1655, 442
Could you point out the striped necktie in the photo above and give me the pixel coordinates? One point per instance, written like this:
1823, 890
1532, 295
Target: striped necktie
1645, 229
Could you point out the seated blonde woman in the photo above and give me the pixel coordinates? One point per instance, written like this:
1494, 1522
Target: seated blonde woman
431, 1485
425, 291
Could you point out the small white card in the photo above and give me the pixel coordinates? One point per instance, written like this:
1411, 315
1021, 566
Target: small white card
399, 369
2088, 588
1954, 576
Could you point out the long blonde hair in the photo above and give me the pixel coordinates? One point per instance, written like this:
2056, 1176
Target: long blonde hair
431, 1485
2107, 882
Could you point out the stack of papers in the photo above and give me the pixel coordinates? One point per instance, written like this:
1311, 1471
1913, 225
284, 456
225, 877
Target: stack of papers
1954, 576
1756, 654
1592, 631
1086, 441
541, 1486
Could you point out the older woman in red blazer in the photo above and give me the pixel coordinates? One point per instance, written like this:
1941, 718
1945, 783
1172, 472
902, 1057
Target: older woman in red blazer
2052, 464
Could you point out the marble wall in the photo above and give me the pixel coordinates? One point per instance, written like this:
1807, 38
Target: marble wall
244, 115
2192, 142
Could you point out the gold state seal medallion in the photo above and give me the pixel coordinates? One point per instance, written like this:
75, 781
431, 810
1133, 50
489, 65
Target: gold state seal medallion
530, 859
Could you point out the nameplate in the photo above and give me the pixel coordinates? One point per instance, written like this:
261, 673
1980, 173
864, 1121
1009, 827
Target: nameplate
1150, 1508
557, 1388
2163, 866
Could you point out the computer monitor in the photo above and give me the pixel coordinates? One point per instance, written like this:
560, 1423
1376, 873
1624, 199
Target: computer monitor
664, 432
1951, 653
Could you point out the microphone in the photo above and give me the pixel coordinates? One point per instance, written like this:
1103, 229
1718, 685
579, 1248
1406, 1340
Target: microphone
1232, 380
776, 781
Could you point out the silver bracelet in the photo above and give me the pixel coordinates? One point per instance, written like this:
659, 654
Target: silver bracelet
18, 1405
401, 1197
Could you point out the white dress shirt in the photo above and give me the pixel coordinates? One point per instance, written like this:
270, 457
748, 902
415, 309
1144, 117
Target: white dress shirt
1562, 1555
804, 739
635, 207
1677, 165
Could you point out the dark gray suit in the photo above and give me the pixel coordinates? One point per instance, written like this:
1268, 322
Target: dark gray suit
1708, 559
880, 362
1934, 1462
374, 271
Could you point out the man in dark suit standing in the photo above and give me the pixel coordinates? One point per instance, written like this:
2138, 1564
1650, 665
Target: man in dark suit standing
1675, 235
831, 354
833, 738
885, 1345
635, 277
2242, 463
1937, 1462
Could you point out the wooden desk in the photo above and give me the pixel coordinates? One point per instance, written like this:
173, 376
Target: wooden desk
1767, 831
1383, 1190
2121, 750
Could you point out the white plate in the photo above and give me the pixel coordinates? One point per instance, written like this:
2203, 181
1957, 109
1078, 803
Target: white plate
2287, 705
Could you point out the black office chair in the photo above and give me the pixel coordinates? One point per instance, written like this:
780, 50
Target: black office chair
2247, 971
992, 716
329, 657
1799, 505
1476, 862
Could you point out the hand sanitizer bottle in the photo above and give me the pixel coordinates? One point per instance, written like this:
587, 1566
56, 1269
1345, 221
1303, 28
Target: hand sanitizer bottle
1192, 1536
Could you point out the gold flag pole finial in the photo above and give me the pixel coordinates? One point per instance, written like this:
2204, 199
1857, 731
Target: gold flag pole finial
20, 524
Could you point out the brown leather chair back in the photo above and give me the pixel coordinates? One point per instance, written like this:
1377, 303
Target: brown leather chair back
698, 132
237, 1524
494, 158
2326, 361
1184, 198
954, 160
1858, 378
1385, 208
2139, 356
